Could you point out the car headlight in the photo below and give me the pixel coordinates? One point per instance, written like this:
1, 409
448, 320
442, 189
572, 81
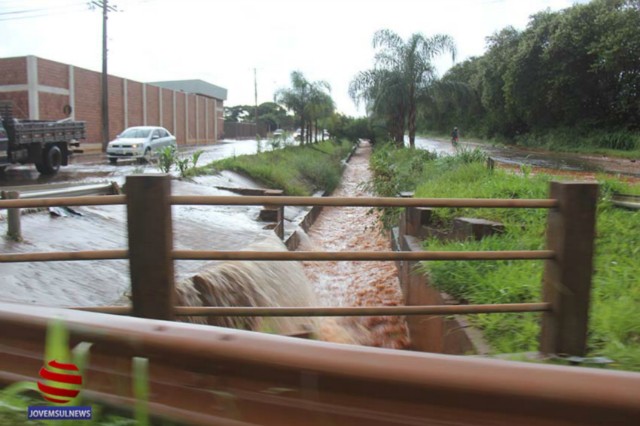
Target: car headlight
134, 146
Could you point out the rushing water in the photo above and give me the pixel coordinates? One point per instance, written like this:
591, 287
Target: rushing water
251, 283
355, 283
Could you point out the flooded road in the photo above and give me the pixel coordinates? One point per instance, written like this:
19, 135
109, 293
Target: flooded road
99, 283
355, 283
550, 160
95, 283
96, 168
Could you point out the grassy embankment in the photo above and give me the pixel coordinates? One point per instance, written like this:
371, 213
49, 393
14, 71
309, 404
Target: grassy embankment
614, 324
298, 170
620, 144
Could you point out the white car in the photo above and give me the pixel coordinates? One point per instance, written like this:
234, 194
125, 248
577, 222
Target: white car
140, 142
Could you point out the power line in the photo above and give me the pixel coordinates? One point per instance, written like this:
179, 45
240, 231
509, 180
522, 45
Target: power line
41, 12
35, 8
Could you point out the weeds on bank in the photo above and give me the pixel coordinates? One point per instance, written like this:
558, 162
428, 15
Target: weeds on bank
298, 170
170, 157
614, 330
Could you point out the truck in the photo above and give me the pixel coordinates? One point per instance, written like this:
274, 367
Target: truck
47, 144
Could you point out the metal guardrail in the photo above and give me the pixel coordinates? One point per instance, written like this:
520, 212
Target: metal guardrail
205, 375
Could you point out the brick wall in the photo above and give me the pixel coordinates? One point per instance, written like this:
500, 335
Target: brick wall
220, 120
13, 71
20, 103
191, 133
167, 109
153, 109
87, 93
88, 102
134, 103
52, 105
53, 74
210, 120
179, 133
202, 117
116, 106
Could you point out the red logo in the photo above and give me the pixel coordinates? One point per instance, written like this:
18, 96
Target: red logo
61, 382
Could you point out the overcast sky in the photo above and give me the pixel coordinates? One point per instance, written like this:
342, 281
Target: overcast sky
222, 41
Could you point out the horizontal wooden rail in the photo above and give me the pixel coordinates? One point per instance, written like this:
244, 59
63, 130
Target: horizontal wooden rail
64, 256
362, 201
285, 255
335, 312
362, 255
98, 200
290, 201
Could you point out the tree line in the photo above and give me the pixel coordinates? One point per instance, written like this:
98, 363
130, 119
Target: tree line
310, 102
576, 70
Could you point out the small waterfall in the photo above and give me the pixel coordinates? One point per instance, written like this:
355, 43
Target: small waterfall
251, 283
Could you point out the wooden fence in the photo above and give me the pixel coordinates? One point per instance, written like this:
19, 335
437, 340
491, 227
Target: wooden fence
566, 282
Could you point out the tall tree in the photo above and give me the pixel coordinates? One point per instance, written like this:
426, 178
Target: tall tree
320, 106
299, 98
295, 99
383, 93
572, 71
408, 67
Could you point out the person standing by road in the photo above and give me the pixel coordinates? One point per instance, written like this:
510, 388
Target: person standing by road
455, 137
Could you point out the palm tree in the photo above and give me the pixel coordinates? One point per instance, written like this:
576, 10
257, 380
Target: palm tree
383, 92
295, 98
300, 99
402, 72
320, 106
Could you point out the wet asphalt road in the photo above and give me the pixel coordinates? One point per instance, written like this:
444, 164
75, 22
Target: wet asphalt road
96, 168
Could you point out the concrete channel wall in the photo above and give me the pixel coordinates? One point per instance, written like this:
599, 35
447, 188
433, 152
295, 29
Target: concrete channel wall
439, 334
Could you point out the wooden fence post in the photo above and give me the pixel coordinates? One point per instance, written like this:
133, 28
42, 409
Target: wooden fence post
150, 245
14, 229
278, 215
567, 277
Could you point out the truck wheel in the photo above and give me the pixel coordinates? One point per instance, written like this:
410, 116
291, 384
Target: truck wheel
51, 160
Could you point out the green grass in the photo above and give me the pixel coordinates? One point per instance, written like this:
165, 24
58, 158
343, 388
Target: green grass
298, 170
614, 325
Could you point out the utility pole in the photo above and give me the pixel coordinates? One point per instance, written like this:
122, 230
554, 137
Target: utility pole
104, 5
105, 78
255, 93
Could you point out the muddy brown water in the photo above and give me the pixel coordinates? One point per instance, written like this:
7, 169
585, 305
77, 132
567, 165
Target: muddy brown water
355, 283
